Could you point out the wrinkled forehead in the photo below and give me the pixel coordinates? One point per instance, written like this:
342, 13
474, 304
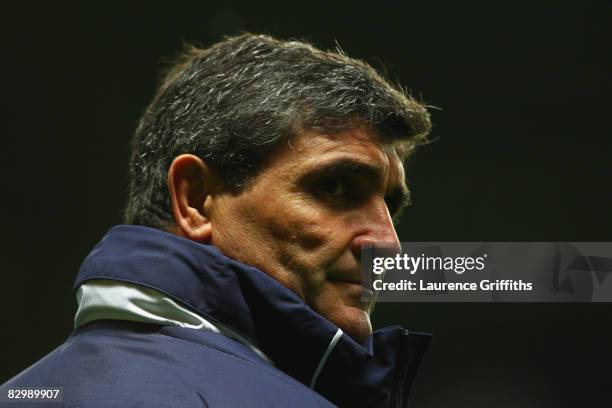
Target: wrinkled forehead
360, 142
357, 147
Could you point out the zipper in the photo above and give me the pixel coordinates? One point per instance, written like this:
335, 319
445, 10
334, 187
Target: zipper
397, 397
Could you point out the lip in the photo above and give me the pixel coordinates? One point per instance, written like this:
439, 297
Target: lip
365, 292
345, 280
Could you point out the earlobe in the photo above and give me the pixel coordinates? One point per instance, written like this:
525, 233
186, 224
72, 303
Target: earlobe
190, 183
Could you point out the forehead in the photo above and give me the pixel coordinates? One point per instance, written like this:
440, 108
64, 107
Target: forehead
311, 150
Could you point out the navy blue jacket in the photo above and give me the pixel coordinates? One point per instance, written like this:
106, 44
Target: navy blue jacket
115, 363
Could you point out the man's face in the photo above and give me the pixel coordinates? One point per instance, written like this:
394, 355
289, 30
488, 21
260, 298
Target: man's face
305, 217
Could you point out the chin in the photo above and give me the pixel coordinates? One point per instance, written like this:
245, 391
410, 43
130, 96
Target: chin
355, 322
340, 303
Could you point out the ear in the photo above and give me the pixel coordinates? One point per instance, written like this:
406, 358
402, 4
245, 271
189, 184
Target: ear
190, 183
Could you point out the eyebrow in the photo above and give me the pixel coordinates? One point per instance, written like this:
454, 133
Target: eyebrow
348, 166
399, 196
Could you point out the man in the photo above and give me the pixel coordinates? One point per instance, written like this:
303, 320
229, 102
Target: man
259, 171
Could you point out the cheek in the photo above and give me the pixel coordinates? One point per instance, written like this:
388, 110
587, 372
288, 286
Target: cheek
291, 223
307, 244
291, 239
310, 235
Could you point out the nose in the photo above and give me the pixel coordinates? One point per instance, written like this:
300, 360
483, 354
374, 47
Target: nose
379, 231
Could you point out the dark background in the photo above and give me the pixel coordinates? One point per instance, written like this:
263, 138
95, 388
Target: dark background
522, 153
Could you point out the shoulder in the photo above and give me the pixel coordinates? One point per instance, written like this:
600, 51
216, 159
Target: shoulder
126, 364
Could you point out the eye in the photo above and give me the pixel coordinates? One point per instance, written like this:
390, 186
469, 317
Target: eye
340, 192
333, 186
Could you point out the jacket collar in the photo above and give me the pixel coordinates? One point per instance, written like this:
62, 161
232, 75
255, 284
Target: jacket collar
248, 301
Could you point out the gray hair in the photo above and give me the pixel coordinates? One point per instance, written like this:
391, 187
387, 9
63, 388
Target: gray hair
236, 102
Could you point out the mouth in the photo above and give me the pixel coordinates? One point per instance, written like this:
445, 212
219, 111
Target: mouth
346, 280
353, 287
348, 275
